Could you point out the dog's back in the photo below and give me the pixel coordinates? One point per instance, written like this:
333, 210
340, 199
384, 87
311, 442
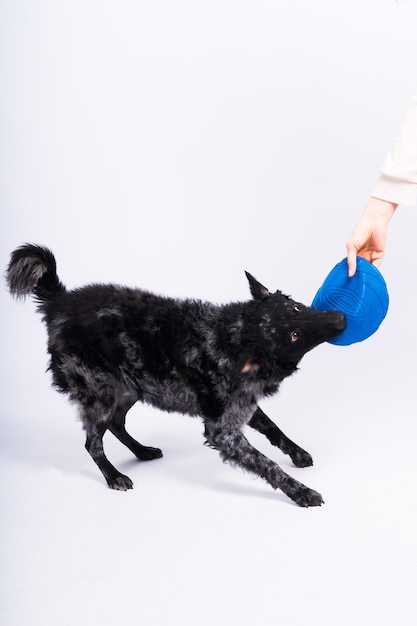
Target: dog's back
155, 347
111, 346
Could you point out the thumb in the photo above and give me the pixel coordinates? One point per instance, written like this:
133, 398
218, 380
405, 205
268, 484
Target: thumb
351, 259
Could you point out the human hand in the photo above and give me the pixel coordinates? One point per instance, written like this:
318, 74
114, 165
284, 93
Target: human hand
368, 237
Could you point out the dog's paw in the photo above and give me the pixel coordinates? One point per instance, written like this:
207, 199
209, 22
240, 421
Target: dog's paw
306, 497
301, 458
120, 483
147, 453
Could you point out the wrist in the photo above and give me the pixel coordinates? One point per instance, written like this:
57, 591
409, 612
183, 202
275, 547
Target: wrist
379, 209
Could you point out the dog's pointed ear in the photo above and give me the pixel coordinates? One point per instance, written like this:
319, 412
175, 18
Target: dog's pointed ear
258, 291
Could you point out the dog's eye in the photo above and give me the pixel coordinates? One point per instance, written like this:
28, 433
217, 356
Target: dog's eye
297, 308
294, 336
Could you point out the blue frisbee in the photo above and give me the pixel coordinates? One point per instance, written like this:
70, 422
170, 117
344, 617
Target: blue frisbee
363, 299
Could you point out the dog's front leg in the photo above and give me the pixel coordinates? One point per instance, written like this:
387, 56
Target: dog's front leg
261, 422
226, 436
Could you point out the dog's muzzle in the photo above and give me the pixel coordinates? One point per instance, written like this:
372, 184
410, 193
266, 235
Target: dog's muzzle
339, 320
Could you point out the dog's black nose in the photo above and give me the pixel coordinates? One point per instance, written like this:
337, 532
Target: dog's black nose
340, 321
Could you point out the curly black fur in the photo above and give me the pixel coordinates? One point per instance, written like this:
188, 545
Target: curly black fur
111, 346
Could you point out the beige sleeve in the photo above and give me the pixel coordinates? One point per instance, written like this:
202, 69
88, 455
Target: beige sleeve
398, 175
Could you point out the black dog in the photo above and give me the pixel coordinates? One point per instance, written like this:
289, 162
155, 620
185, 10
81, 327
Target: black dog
111, 346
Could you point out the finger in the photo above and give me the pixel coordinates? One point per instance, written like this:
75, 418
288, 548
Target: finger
351, 259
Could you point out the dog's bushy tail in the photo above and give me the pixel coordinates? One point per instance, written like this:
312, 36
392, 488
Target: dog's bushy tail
32, 270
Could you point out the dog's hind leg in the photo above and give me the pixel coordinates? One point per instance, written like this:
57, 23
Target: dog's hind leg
96, 411
94, 446
236, 449
118, 428
266, 426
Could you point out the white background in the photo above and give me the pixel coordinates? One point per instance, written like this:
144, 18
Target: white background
172, 145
